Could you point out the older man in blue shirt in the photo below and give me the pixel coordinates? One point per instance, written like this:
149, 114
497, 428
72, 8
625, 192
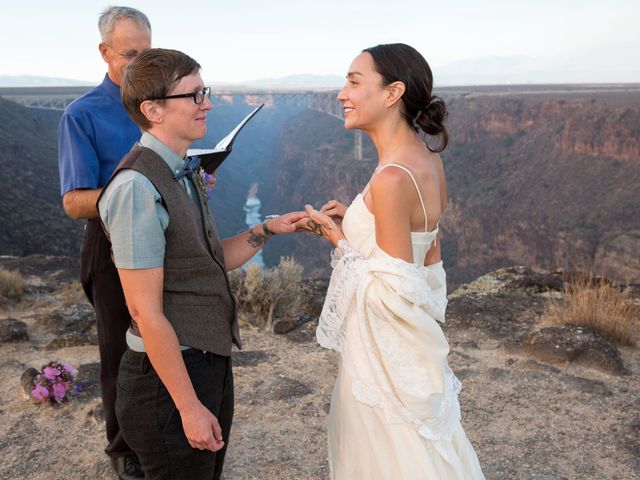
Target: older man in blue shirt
95, 133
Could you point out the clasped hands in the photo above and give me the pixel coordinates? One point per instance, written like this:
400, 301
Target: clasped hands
326, 222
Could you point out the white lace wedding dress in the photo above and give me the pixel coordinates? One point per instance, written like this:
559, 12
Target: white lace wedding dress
394, 411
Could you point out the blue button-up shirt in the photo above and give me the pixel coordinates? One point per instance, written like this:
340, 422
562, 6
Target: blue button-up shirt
95, 132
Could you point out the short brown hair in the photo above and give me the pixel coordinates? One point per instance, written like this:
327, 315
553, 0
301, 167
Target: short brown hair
153, 73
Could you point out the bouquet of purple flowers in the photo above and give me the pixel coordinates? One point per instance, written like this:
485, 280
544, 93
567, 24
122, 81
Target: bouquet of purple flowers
55, 383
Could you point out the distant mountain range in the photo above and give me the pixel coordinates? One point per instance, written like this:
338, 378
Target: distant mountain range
37, 81
603, 65
528, 70
305, 81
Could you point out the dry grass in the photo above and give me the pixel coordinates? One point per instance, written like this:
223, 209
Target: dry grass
595, 303
11, 284
269, 293
72, 294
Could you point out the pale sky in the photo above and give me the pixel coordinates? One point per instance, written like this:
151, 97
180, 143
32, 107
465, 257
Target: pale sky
237, 40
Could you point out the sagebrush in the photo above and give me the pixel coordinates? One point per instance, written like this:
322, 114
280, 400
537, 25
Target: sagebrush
11, 284
72, 294
595, 303
270, 293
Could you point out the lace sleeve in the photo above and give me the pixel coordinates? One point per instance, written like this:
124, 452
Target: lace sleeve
349, 268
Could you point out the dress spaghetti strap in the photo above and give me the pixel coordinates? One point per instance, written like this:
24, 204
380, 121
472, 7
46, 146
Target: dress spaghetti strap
424, 210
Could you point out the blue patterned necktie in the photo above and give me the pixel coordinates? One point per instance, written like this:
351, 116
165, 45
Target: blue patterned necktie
191, 164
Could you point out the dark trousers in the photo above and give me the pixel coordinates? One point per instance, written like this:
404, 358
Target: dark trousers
101, 284
152, 425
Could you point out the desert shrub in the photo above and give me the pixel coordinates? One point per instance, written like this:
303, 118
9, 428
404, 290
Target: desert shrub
236, 280
72, 293
11, 284
273, 292
595, 303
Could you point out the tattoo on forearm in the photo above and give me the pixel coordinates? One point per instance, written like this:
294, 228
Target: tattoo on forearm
256, 240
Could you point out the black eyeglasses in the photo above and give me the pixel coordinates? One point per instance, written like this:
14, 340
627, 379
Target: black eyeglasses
198, 97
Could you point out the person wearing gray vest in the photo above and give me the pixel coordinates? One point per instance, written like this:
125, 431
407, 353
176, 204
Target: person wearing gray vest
175, 385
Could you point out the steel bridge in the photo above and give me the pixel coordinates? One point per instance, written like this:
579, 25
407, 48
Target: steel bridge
58, 98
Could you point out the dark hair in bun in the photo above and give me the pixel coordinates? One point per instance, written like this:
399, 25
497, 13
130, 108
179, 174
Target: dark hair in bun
397, 62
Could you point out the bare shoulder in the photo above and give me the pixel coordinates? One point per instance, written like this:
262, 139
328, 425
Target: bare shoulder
389, 178
392, 186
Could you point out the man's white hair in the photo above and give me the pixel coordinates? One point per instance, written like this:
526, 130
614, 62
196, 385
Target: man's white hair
111, 15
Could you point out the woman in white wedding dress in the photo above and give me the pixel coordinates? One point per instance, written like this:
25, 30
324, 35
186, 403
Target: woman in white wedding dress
394, 411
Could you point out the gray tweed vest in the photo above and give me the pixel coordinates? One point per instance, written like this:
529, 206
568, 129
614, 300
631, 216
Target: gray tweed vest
197, 298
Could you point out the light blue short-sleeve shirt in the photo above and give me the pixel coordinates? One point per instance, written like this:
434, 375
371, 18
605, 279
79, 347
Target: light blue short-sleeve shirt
132, 212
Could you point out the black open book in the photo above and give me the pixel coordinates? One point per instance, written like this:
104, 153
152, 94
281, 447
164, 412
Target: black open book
211, 158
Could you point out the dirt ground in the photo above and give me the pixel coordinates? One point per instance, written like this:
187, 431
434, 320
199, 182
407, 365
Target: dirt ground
527, 418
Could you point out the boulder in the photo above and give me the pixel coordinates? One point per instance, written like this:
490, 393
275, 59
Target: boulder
77, 318
287, 325
73, 339
304, 334
571, 343
12, 330
27, 381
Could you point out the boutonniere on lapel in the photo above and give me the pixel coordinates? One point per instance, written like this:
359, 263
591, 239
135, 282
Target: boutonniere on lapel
205, 182
199, 181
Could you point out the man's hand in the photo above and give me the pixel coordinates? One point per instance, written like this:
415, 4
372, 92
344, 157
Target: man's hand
201, 428
285, 223
335, 210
